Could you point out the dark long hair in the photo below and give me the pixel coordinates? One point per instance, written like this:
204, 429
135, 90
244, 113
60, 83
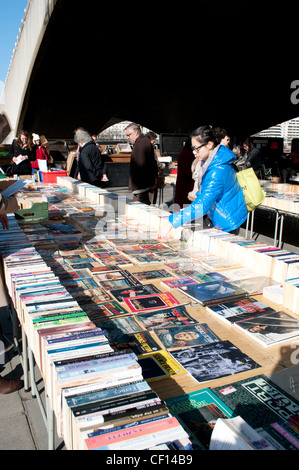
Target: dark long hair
205, 134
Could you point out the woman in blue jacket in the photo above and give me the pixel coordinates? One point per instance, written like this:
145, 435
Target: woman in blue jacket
219, 193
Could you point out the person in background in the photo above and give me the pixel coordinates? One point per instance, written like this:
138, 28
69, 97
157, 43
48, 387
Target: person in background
222, 136
286, 167
252, 156
90, 162
40, 151
185, 182
105, 168
7, 205
219, 193
160, 179
22, 154
143, 165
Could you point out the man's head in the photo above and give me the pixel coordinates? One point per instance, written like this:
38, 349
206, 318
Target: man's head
133, 131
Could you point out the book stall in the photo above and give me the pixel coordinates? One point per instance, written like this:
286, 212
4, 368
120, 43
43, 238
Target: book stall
282, 200
148, 344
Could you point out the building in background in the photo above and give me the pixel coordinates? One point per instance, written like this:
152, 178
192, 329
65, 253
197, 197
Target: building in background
287, 130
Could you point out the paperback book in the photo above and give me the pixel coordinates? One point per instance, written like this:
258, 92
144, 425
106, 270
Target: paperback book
197, 412
266, 407
270, 328
140, 290
159, 365
212, 292
214, 360
151, 302
177, 337
125, 333
175, 316
254, 285
232, 311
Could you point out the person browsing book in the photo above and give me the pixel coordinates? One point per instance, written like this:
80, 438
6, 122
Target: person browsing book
143, 165
219, 194
22, 154
41, 153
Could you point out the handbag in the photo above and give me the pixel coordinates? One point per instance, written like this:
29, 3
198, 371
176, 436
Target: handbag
253, 193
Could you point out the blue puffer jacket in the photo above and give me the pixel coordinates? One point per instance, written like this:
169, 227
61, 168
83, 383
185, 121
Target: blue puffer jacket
221, 196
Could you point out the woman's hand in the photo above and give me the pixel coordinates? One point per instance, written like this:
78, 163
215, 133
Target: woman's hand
4, 221
167, 231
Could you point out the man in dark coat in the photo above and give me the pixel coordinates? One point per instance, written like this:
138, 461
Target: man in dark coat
90, 162
143, 165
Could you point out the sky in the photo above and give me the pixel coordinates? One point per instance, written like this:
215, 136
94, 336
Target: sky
11, 15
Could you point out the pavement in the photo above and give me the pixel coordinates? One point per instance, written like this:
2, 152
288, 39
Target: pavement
21, 423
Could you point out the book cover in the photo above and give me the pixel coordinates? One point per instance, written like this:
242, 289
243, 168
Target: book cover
214, 360
179, 282
152, 274
125, 333
175, 316
109, 393
177, 337
150, 430
213, 292
231, 311
151, 302
159, 365
261, 403
254, 285
197, 412
270, 328
140, 290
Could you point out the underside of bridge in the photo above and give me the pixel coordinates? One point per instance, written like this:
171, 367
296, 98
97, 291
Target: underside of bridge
169, 70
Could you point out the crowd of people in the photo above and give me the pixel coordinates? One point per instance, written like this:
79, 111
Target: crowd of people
207, 187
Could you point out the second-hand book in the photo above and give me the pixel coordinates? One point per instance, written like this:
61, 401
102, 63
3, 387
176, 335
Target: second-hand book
214, 360
232, 311
159, 365
175, 316
184, 336
133, 291
197, 412
212, 292
266, 407
151, 302
270, 328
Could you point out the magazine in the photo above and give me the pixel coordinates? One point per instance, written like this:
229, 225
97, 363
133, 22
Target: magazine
270, 328
214, 360
133, 291
175, 316
187, 335
212, 292
151, 302
231, 311
197, 412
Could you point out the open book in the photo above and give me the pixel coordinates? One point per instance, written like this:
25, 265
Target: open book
236, 434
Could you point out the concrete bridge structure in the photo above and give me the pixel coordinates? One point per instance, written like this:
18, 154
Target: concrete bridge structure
170, 68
